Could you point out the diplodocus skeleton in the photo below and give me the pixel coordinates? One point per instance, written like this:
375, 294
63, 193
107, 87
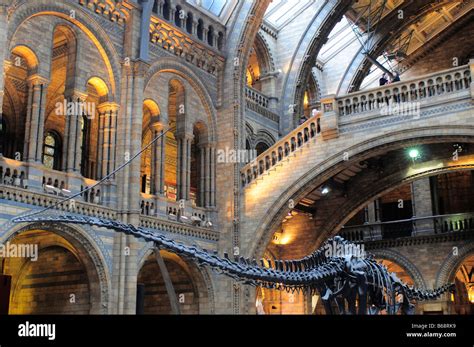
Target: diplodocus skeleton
340, 280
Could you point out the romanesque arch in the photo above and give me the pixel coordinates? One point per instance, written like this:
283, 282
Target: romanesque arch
87, 273
188, 279
373, 147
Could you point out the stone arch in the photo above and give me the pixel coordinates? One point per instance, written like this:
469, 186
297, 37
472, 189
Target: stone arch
199, 275
265, 53
88, 251
100, 86
451, 264
359, 66
404, 263
358, 152
265, 137
172, 66
28, 54
294, 84
24, 10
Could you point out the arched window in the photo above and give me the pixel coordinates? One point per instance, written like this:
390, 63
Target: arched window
210, 36
261, 147
200, 30
220, 41
166, 10
177, 17
86, 165
189, 23
51, 151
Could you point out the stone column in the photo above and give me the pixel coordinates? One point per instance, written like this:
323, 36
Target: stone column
37, 88
184, 165
134, 176
422, 206
194, 30
72, 150
3, 53
204, 170
471, 67
157, 158
6, 66
189, 141
373, 212
213, 176
107, 138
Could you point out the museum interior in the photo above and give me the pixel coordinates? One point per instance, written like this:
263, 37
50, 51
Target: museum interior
257, 129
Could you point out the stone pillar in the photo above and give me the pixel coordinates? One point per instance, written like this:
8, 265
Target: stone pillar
189, 142
3, 53
107, 138
72, 149
157, 158
373, 214
194, 30
6, 66
329, 118
37, 88
134, 175
204, 174
106, 150
213, 176
184, 166
471, 66
422, 206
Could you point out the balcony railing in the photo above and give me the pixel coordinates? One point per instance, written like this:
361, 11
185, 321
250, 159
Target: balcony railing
433, 225
430, 86
281, 151
15, 173
258, 102
43, 200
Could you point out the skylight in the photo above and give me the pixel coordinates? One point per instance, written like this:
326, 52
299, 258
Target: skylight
214, 6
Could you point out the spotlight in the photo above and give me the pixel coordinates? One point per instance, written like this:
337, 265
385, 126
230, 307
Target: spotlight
414, 153
325, 191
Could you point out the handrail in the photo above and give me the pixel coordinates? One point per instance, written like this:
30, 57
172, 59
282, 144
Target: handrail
414, 79
281, 150
414, 219
409, 92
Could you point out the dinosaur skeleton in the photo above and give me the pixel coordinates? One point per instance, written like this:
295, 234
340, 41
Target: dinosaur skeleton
342, 281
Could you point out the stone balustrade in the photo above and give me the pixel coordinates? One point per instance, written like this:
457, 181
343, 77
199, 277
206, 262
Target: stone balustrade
256, 97
194, 22
44, 200
160, 207
281, 151
173, 227
442, 225
417, 90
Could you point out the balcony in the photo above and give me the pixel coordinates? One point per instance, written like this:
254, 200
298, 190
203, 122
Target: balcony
389, 234
259, 103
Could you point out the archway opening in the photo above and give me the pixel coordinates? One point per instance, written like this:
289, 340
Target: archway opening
151, 286
463, 297
50, 275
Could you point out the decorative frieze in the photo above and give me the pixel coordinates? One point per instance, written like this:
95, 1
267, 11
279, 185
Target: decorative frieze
114, 10
179, 44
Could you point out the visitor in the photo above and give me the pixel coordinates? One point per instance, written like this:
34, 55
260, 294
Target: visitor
384, 80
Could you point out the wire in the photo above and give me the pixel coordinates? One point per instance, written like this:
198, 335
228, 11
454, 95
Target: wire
106, 178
